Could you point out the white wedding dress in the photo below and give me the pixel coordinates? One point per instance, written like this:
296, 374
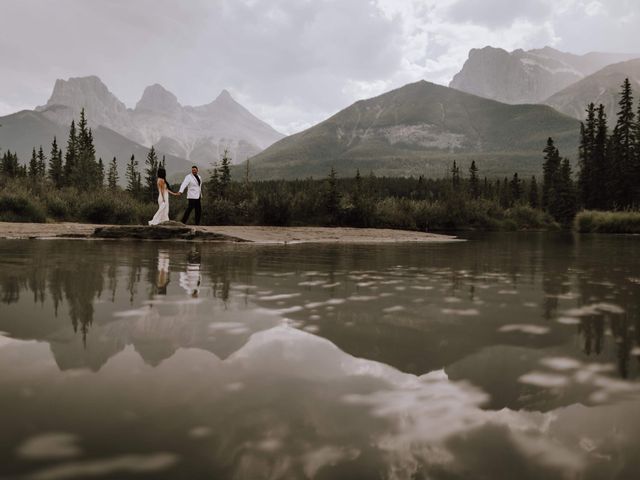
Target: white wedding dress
162, 215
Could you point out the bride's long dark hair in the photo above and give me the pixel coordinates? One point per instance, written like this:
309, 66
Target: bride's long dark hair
162, 173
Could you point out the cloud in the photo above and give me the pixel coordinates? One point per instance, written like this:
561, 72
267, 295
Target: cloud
499, 13
291, 63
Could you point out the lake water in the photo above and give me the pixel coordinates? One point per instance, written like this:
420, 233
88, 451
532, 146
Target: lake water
510, 356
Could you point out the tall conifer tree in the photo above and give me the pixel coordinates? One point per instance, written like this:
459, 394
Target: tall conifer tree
42, 164
533, 193
55, 164
474, 183
134, 186
516, 189
622, 154
550, 168
587, 174
32, 173
71, 155
151, 173
112, 175
601, 168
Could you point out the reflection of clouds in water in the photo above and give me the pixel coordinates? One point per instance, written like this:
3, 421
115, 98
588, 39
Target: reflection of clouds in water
49, 445
282, 296
399, 424
426, 414
566, 372
594, 309
232, 328
124, 464
461, 312
525, 328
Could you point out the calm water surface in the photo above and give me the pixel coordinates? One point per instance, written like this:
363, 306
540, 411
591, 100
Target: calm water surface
510, 356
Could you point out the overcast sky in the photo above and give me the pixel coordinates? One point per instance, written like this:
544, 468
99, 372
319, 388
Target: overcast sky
291, 62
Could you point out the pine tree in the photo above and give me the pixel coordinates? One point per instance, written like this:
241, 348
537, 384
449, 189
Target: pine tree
86, 174
112, 175
42, 164
550, 169
587, 180
636, 161
71, 156
601, 168
332, 199
533, 193
455, 176
358, 180
33, 167
151, 173
505, 194
10, 167
134, 186
516, 189
214, 182
474, 183
55, 164
100, 174
225, 174
486, 189
564, 206
622, 154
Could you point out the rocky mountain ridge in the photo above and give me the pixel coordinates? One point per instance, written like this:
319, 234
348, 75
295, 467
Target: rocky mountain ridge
527, 76
420, 129
601, 87
199, 134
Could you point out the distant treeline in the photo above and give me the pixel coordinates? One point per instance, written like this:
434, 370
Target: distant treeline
74, 186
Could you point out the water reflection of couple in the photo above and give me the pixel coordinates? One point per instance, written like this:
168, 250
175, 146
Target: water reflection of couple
189, 280
192, 183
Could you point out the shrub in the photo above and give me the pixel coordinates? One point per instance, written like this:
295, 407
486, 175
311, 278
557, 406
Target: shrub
58, 207
526, 217
19, 206
106, 208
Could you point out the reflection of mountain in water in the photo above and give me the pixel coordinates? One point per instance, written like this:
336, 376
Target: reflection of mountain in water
417, 308
289, 404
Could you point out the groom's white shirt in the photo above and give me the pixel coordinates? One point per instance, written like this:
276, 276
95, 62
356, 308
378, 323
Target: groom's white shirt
194, 191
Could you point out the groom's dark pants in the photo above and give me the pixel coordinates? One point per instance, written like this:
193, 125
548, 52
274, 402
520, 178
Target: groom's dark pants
194, 203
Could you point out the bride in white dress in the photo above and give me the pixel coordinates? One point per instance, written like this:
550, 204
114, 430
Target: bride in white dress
162, 215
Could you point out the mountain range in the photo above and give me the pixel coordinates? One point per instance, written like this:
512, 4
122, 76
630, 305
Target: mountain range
527, 76
420, 129
498, 112
198, 134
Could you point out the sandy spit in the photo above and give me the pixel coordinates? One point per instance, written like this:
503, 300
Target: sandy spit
275, 235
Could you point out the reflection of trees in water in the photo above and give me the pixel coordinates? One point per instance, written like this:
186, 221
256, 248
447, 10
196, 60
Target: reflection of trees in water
592, 330
75, 274
10, 287
556, 264
69, 271
607, 267
223, 267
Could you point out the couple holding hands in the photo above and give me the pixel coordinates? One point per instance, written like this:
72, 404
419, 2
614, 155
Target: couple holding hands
192, 183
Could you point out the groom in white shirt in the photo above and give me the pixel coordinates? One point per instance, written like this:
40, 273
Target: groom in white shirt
193, 185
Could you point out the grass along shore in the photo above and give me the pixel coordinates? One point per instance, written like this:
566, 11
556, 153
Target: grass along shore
591, 221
